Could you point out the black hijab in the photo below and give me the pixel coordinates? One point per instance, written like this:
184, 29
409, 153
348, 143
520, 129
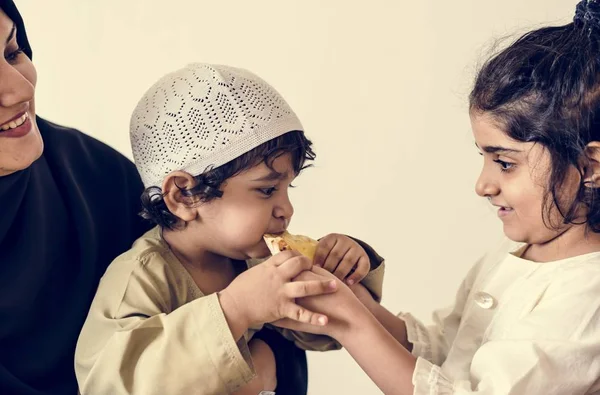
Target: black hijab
62, 221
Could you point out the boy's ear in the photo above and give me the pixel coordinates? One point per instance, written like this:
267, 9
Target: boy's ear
591, 170
181, 206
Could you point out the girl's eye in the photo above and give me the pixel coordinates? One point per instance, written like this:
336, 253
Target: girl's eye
13, 56
504, 166
267, 191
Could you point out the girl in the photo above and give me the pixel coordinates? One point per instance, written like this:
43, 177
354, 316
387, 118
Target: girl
525, 321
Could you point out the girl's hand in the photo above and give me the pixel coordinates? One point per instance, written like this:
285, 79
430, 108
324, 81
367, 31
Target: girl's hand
339, 307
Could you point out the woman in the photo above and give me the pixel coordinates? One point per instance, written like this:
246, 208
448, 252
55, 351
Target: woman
59, 232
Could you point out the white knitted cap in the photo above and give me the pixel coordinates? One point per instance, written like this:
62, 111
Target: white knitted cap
204, 116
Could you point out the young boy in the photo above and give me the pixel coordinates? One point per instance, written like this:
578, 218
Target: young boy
217, 149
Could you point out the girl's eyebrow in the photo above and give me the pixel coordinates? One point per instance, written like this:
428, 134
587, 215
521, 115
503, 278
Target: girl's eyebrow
496, 149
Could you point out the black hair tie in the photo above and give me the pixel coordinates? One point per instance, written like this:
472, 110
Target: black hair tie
587, 15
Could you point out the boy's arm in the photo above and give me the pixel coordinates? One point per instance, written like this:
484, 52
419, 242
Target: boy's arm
144, 335
138, 339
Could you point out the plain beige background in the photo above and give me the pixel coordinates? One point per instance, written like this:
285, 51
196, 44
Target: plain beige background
381, 87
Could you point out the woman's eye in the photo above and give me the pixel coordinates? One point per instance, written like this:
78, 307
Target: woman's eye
12, 56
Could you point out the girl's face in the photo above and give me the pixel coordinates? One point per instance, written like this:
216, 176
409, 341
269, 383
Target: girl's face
514, 178
20, 140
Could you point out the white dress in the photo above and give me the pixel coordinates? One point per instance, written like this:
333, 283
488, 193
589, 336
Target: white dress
517, 327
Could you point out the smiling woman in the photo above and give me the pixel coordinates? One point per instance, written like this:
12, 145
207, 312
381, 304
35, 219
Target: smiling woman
58, 229
20, 140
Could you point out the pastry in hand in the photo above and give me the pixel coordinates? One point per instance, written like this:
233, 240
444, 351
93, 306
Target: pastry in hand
286, 241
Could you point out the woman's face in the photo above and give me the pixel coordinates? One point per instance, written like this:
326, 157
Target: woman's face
20, 140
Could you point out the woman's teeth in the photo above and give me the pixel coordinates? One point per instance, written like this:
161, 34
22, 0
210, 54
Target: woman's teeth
15, 123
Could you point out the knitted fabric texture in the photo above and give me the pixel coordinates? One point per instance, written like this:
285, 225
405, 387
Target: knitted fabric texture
203, 116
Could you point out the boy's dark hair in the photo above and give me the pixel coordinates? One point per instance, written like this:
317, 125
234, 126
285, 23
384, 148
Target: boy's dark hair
209, 183
545, 88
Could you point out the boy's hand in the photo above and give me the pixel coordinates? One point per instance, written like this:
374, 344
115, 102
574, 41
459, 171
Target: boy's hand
266, 293
341, 256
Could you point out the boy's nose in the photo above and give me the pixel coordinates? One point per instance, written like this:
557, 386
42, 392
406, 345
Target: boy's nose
284, 209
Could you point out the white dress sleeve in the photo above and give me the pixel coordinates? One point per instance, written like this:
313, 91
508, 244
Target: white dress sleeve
432, 342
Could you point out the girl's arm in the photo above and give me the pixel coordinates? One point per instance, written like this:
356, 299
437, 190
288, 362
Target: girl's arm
385, 360
379, 353
392, 323
552, 349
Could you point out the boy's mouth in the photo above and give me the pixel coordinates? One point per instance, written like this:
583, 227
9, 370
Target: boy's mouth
278, 233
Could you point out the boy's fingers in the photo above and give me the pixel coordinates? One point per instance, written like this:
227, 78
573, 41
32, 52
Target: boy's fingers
325, 245
320, 255
322, 272
282, 257
335, 256
362, 269
301, 314
301, 289
350, 260
294, 266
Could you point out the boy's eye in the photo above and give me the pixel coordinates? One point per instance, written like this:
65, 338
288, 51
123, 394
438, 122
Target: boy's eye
504, 166
267, 191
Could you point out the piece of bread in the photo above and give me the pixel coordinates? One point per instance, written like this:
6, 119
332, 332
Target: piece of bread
286, 241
